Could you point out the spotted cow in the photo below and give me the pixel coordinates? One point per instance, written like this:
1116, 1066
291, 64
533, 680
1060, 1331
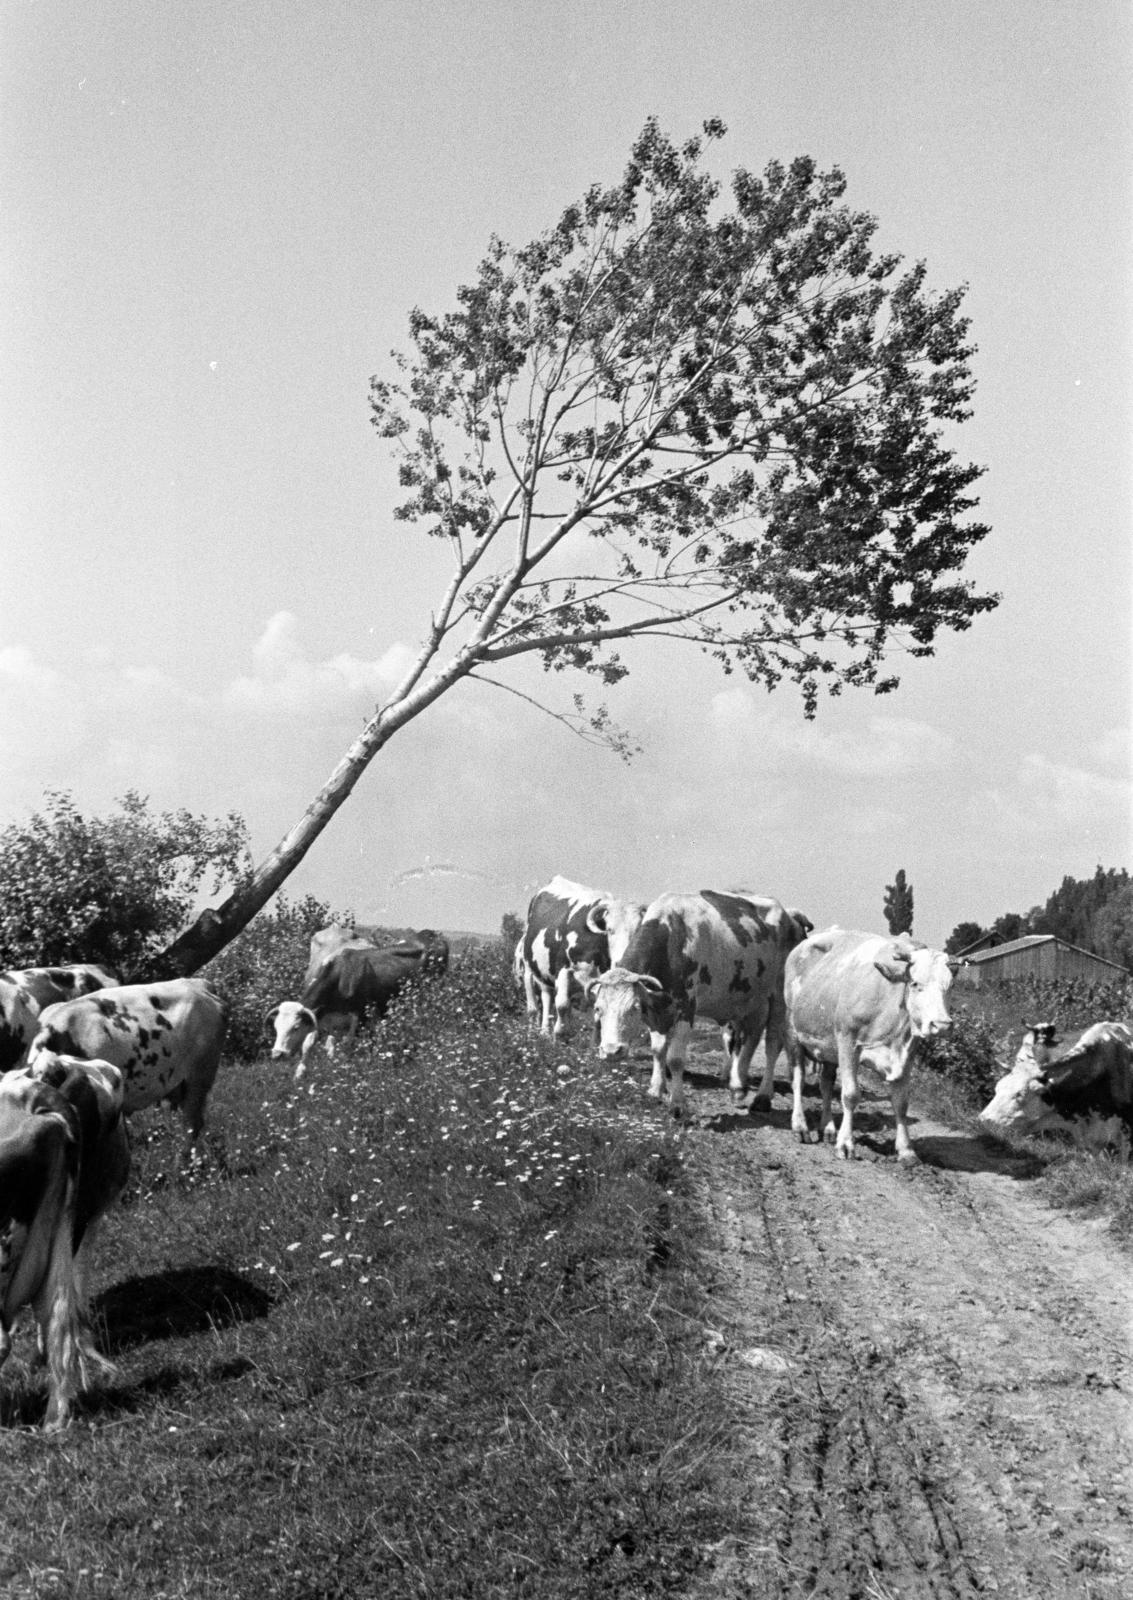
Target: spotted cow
165, 1038
19, 1019
572, 934
854, 997
64, 1159
709, 954
355, 981
1086, 1092
46, 986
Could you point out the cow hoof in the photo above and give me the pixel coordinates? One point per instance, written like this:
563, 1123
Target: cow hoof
909, 1157
762, 1104
844, 1152
802, 1135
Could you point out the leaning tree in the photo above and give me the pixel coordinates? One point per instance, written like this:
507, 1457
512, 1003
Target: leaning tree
671, 417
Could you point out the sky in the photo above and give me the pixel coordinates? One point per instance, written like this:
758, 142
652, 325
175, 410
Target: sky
216, 220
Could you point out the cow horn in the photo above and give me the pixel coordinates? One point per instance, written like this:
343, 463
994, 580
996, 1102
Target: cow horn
646, 980
271, 1016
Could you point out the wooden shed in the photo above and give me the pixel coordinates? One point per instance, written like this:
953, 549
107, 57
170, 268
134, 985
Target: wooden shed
1037, 955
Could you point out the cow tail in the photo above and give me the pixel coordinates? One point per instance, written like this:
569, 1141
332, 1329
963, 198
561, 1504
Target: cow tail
58, 1310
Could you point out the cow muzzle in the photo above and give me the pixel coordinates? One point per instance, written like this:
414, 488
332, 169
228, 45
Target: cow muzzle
613, 1052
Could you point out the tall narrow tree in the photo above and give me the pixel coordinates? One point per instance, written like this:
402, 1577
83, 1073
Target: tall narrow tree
669, 418
899, 904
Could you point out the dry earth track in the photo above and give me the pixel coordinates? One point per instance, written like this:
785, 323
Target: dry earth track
933, 1371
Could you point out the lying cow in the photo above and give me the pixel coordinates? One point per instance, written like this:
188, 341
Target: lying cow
855, 997
47, 986
165, 1038
572, 934
1086, 1092
19, 1020
64, 1159
357, 980
707, 954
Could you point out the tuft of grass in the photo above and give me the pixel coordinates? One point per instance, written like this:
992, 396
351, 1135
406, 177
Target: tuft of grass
425, 1325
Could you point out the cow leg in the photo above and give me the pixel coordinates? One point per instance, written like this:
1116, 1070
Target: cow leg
743, 1041
798, 1072
547, 1003
675, 1061
827, 1072
899, 1100
851, 1094
774, 1043
57, 1314
562, 1004
658, 1044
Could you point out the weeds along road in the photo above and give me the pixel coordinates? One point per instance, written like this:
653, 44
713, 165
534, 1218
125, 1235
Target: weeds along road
933, 1371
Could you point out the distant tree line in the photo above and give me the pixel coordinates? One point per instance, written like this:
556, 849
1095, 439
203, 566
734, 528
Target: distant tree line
1096, 914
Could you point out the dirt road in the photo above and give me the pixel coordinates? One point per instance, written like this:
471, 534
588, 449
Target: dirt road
934, 1371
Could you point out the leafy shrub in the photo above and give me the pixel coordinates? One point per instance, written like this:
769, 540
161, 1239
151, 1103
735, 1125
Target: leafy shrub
109, 889
966, 1056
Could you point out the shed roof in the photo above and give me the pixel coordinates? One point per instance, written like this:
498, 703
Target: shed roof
978, 957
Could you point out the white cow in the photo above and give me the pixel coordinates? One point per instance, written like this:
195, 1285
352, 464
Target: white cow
861, 996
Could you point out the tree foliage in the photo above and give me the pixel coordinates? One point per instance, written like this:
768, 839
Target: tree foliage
963, 935
899, 904
674, 417
108, 889
1096, 914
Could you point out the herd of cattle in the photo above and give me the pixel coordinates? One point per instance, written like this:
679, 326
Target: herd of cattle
80, 1052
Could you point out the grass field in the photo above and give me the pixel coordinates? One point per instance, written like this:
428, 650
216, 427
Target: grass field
427, 1325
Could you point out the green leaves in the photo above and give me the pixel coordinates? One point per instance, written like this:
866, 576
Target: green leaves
108, 889
726, 420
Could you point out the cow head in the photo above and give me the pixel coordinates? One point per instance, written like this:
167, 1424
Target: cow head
927, 977
295, 1031
618, 997
619, 920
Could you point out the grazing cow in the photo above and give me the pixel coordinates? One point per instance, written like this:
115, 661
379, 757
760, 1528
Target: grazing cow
426, 948
19, 1019
862, 996
356, 979
707, 954
64, 1159
48, 985
572, 935
1086, 1092
165, 1038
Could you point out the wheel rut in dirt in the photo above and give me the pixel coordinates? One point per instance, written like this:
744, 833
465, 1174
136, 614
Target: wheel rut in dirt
932, 1372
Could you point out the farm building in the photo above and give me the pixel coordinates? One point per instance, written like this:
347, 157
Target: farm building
1037, 955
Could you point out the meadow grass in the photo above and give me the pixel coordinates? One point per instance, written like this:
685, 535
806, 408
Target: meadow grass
426, 1324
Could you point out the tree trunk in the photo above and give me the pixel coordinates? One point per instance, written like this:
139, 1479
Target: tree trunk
217, 926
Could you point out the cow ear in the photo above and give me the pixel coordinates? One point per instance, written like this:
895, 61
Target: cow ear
896, 971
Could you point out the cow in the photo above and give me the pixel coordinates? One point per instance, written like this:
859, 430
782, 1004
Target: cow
426, 949
46, 986
1086, 1092
354, 980
708, 954
855, 996
165, 1038
19, 1019
521, 973
64, 1159
572, 934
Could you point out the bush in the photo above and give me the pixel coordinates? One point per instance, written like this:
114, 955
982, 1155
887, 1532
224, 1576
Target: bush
108, 889
966, 1056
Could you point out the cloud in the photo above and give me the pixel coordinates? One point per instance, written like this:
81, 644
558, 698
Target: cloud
1050, 799
285, 683
885, 747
